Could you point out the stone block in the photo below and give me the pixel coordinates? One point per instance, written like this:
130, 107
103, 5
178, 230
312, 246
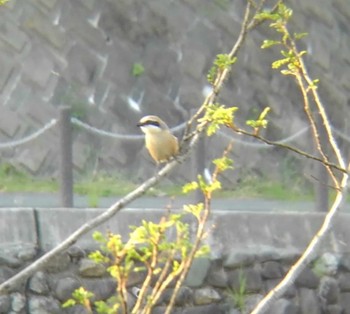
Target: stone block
204, 309
38, 66
6, 273
319, 15
206, 295
309, 303
183, 298
12, 35
334, 309
45, 29
49, 3
32, 160
41, 304
272, 283
38, 283
85, 66
18, 302
162, 309
307, 279
248, 277
283, 306
101, 288
5, 303
25, 231
9, 259
198, 272
193, 65
239, 258
251, 301
344, 282
9, 121
345, 302
271, 270
328, 290
159, 62
58, 263
64, 287
90, 269
217, 276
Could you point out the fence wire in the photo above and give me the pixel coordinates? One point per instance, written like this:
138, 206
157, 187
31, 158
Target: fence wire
30, 137
119, 136
178, 128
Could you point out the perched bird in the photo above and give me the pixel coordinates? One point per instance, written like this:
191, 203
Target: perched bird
161, 144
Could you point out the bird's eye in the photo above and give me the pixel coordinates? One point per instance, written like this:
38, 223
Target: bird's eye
152, 122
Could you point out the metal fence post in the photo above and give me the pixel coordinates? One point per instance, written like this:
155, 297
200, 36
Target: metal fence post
66, 163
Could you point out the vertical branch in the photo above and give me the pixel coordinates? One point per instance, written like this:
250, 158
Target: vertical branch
305, 258
314, 128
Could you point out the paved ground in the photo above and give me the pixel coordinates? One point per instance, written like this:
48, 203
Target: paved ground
52, 200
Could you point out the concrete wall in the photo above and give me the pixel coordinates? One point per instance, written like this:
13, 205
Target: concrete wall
261, 246
81, 53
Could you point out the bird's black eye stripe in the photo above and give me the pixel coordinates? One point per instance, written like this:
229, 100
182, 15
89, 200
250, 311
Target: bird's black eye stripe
150, 122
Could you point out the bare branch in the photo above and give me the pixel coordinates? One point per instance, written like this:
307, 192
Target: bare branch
306, 257
90, 225
291, 148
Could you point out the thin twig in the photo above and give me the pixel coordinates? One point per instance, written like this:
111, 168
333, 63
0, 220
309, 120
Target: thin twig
291, 148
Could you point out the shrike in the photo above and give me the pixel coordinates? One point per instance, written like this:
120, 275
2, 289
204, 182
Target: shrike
161, 144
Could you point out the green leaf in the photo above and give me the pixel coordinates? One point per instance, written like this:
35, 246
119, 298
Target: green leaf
278, 63
264, 113
195, 210
176, 265
212, 74
217, 115
190, 187
98, 236
69, 303
203, 251
98, 257
137, 69
267, 43
223, 163
224, 61
299, 35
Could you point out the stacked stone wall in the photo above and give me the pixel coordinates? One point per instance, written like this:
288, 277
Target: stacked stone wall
249, 254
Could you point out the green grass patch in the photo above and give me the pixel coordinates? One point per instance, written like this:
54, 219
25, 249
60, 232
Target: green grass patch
261, 188
104, 185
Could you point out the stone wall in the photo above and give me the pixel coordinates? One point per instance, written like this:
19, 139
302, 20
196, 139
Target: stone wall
81, 53
258, 248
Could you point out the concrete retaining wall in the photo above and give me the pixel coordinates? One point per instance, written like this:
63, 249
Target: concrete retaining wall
259, 246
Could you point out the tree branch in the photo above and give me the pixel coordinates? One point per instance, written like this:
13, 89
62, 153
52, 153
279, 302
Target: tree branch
11, 283
306, 257
291, 148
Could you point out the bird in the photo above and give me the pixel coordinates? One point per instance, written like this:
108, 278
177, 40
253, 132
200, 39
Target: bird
160, 143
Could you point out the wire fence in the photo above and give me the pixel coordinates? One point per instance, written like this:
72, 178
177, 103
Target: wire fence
67, 168
140, 137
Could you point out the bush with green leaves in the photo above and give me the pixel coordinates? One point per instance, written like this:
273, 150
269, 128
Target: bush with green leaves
162, 251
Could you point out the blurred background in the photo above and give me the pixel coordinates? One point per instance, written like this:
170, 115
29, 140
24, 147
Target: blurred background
115, 61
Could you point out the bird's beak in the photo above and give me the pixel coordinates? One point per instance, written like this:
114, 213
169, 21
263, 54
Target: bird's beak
139, 124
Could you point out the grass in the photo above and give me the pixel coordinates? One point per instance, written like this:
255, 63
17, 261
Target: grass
103, 185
